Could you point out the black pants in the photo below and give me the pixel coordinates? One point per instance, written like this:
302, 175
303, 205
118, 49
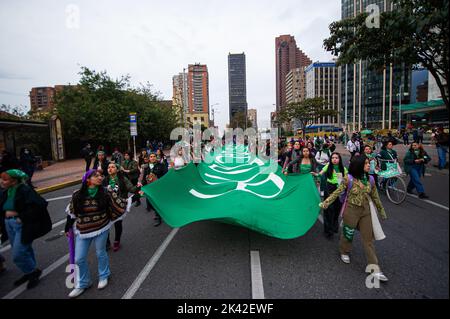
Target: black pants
150, 207
118, 228
88, 163
331, 214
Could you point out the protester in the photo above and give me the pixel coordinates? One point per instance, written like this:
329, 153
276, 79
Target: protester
312, 150
27, 163
360, 190
117, 157
131, 170
334, 173
179, 161
420, 135
142, 156
368, 152
387, 153
405, 138
415, 160
90, 214
306, 163
442, 142
101, 163
292, 157
87, 154
26, 218
353, 147
150, 173
119, 184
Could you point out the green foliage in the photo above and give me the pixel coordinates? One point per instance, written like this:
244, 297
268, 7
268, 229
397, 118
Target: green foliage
239, 120
97, 110
415, 33
307, 112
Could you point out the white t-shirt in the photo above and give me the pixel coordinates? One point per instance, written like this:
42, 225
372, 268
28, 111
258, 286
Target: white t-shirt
178, 162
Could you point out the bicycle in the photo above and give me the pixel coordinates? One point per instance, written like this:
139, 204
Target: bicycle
391, 182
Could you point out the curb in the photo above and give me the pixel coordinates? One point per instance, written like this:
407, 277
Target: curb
57, 187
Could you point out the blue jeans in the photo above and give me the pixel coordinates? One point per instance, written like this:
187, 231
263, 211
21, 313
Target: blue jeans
81, 253
23, 255
415, 173
442, 153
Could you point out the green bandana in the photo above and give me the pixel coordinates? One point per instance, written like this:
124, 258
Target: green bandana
18, 175
113, 181
92, 192
336, 168
364, 180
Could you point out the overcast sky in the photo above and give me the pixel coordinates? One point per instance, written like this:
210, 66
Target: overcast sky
45, 42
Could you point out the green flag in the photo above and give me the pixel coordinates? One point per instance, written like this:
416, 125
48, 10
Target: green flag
232, 186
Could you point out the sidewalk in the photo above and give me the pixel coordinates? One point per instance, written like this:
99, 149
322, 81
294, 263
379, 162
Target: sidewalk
62, 174
59, 173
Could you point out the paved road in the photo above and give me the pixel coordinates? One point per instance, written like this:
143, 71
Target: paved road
212, 260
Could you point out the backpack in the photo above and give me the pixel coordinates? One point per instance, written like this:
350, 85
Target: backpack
344, 197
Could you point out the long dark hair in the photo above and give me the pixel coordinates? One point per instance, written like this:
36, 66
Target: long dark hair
80, 196
356, 168
311, 158
331, 168
421, 150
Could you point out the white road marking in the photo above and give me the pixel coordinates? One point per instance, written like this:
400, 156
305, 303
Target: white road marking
149, 266
257, 281
58, 198
8, 247
429, 202
13, 294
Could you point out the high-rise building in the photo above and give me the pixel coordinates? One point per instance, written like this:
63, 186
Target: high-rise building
42, 99
198, 94
322, 80
180, 96
368, 97
253, 118
295, 85
287, 57
237, 84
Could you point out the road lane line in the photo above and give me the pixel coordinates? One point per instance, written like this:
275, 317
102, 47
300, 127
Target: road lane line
58, 198
8, 247
257, 281
13, 294
149, 266
429, 202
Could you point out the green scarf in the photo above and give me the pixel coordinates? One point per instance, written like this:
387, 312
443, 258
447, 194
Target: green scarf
92, 192
417, 152
364, 180
113, 181
9, 204
336, 168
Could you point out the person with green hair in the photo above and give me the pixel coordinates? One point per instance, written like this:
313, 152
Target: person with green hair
26, 218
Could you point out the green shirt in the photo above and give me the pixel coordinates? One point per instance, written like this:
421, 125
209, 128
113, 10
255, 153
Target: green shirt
9, 203
305, 168
336, 177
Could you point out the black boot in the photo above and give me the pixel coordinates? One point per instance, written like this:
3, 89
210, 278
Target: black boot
34, 279
21, 280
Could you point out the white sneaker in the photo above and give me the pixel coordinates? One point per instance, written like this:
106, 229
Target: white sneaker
76, 292
102, 283
380, 276
345, 258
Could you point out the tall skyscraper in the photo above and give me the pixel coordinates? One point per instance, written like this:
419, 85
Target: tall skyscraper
180, 96
198, 94
322, 80
368, 97
287, 57
237, 84
295, 85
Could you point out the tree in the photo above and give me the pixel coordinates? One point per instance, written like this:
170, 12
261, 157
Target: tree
238, 120
97, 110
306, 112
415, 33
